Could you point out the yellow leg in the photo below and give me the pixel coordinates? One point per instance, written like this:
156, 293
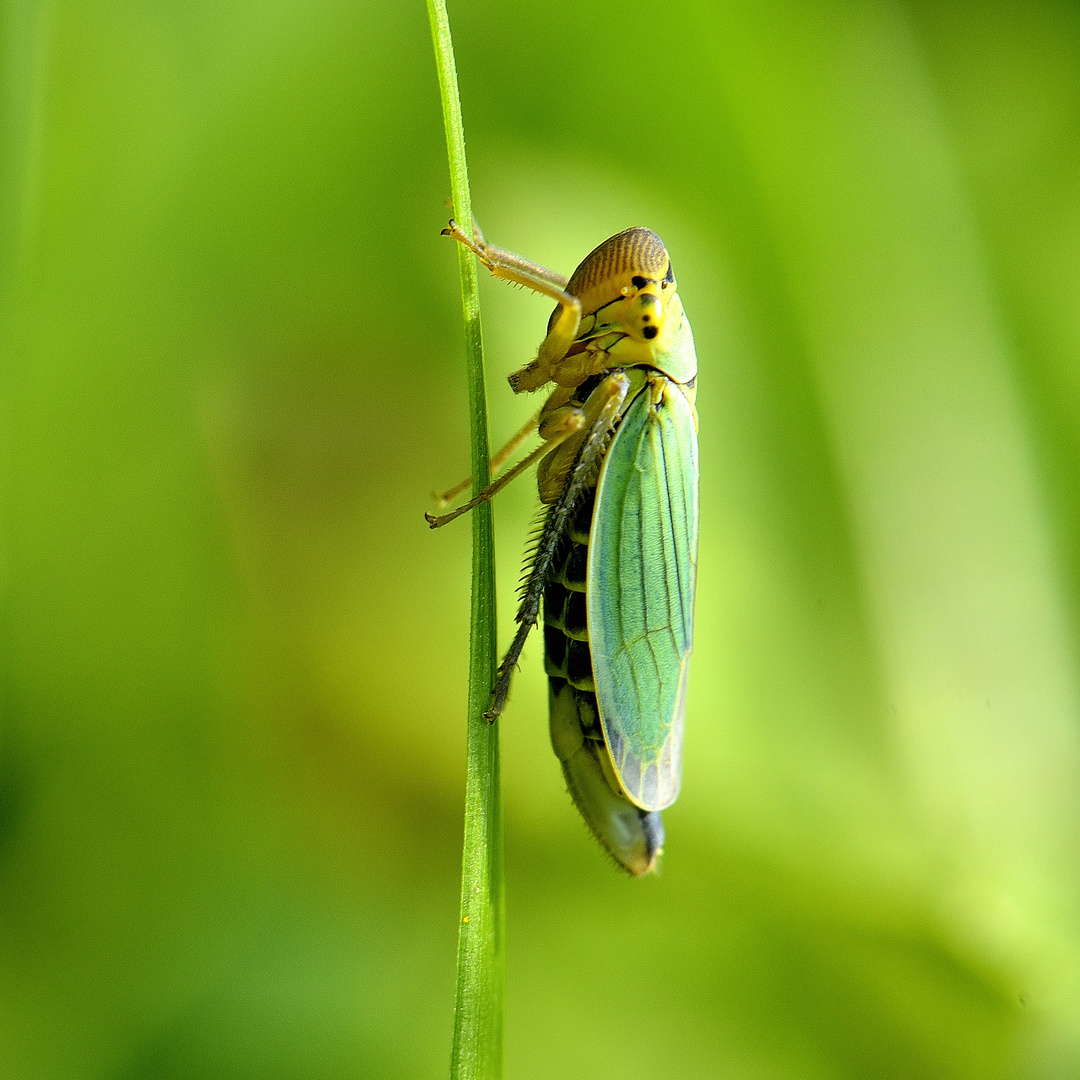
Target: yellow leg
510, 267
562, 427
505, 264
445, 498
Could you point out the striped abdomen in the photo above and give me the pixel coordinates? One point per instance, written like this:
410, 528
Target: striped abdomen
633, 836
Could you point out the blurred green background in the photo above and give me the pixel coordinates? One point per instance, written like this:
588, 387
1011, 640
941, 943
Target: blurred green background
233, 657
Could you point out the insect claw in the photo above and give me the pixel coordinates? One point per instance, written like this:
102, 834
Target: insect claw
496, 709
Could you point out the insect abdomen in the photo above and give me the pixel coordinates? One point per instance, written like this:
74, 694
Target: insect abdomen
632, 836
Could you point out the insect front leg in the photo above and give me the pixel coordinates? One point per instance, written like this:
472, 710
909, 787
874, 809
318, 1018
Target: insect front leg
505, 264
599, 416
510, 267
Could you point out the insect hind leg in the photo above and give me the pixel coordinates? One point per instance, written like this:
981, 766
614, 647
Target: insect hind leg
605, 401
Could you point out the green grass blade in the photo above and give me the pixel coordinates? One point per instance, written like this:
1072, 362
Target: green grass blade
478, 1017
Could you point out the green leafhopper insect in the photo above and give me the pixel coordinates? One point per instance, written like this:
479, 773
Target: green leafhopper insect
616, 557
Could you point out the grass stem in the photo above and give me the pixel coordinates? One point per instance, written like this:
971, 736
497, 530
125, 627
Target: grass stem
481, 966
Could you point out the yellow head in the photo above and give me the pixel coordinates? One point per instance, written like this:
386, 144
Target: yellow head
624, 286
630, 315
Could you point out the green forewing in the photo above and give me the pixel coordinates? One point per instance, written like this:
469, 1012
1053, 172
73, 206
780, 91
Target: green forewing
640, 600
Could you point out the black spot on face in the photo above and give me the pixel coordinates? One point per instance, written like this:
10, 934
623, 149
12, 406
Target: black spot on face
645, 318
650, 332
669, 277
639, 282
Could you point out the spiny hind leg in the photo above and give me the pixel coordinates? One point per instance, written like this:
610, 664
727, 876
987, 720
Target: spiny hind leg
602, 409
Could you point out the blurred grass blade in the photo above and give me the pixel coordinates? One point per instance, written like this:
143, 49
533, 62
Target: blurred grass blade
478, 1017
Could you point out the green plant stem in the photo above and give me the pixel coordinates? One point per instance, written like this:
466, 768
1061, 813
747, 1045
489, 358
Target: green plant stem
481, 978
